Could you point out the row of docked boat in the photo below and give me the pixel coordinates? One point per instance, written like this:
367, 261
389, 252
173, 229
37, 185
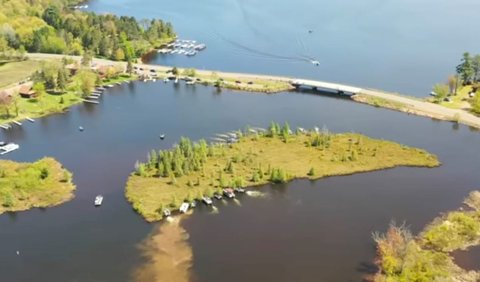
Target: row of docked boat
228, 193
183, 47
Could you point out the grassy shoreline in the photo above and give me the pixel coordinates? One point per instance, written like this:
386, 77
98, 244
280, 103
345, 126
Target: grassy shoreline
41, 184
53, 103
427, 257
260, 159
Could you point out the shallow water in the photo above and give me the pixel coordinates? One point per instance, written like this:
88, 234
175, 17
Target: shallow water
469, 259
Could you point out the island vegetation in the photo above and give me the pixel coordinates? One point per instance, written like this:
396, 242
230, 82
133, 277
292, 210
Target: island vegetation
41, 184
54, 26
192, 170
426, 257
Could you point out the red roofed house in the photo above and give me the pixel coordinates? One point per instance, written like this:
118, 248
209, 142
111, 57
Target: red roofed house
27, 92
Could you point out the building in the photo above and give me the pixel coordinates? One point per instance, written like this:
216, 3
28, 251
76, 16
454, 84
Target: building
27, 92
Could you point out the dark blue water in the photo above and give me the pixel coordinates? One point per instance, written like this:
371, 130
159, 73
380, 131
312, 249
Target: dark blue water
397, 45
316, 231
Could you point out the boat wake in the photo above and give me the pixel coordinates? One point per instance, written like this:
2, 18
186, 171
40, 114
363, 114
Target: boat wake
256, 194
168, 254
215, 210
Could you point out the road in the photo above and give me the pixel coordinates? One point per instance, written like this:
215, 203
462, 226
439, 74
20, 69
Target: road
411, 105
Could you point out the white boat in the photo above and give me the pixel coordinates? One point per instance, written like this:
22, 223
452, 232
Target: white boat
162, 136
165, 80
176, 80
184, 207
167, 213
239, 190
98, 200
218, 196
8, 148
190, 82
207, 200
229, 193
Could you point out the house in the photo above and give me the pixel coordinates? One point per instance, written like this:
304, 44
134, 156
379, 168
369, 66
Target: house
26, 91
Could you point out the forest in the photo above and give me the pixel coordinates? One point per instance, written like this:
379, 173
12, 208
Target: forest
53, 26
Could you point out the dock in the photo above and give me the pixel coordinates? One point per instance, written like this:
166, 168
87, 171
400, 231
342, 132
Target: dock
30, 119
5, 126
17, 122
91, 101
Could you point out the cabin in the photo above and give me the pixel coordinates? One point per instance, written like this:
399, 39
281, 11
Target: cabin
27, 92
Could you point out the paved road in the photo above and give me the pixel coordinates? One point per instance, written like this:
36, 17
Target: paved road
414, 105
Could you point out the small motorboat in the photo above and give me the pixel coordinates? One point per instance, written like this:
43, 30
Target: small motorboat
80, 128
218, 196
193, 204
229, 193
190, 82
162, 136
165, 80
176, 80
239, 190
184, 207
207, 200
167, 213
315, 63
98, 200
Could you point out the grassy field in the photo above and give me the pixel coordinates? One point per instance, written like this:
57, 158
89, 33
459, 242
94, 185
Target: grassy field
255, 159
11, 73
44, 183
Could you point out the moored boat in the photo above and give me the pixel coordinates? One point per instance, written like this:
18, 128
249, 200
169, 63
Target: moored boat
98, 200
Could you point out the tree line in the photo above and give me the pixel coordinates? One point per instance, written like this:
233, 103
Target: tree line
53, 27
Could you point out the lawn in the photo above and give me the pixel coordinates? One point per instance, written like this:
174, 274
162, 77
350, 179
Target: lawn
255, 159
12, 73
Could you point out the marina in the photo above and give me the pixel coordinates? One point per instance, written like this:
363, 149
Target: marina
187, 48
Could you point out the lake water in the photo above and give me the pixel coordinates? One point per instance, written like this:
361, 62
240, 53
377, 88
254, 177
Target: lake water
397, 45
316, 230
302, 231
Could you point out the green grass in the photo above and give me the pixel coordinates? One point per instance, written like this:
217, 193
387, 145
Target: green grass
42, 106
51, 103
259, 156
379, 102
44, 183
459, 101
12, 73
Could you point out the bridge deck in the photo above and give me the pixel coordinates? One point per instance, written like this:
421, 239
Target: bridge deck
326, 86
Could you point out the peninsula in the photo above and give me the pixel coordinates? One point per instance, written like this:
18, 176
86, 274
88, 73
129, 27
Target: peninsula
44, 183
190, 170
